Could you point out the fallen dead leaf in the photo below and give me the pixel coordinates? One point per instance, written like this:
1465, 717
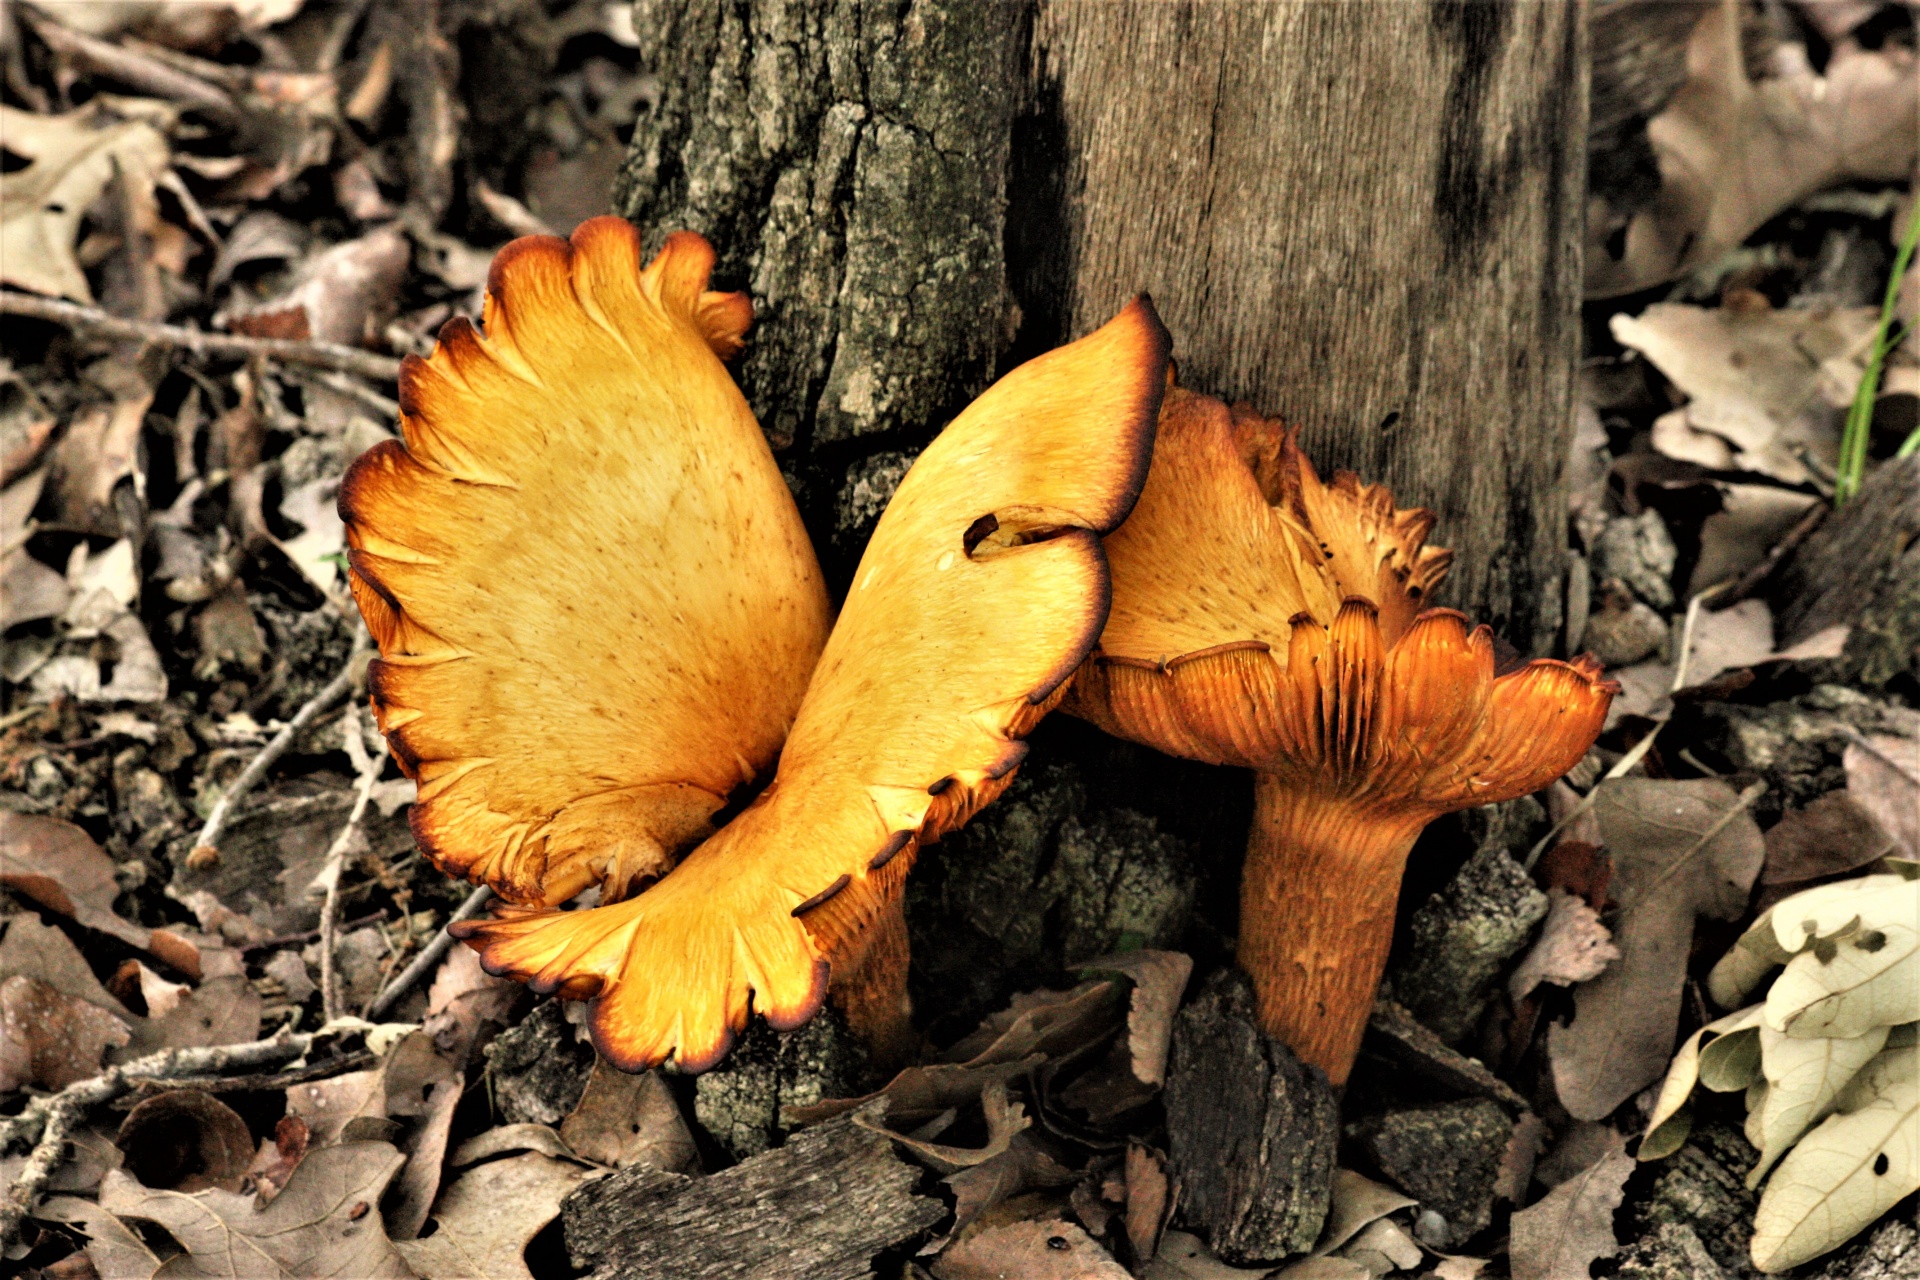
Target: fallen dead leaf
1734, 151
1883, 777
324, 1225
463, 998
1859, 1163
1356, 1200
278, 1157
73, 158
59, 866
1680, 850
1048, 1250
1560, 1237
35, 950
507, 1138
1159, 980
1024, 1166
1004, 1120
1573, 947
1830, 836
185, 1140
489, 1215
1184, 1256
114, 1249
337, 295
1151, 1196
624, 1119
50, 1040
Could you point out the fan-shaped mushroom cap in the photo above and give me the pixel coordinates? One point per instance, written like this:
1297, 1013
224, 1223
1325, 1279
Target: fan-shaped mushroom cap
596, 606
1264, 619
983, 587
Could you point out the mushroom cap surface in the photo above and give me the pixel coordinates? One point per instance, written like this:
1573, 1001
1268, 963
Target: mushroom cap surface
1266, 620
596, 606
981, 591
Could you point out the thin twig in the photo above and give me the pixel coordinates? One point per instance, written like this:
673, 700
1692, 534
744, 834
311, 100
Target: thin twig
280, 940
428, 957
136, 69
1756, 577
322, 355
336, 689
47, 1121
368, 765
258, 1082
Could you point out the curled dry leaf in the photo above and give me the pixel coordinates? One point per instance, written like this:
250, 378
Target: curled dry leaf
1356, 1201
1573, 947
1004, 1120
324, 1225
59, 866
1159, 979
185, 1140
337, 295
1670, 1121
1753, 380
1680, 849
1855, 958
1804, 1078
1560, 1237
489, 1215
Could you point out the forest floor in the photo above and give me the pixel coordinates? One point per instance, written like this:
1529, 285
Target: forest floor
230, 1044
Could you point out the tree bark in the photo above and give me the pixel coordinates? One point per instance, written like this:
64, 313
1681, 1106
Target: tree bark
1365, 217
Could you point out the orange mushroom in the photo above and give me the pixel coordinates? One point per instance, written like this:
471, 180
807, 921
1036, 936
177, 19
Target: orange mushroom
1263, 619
599, 615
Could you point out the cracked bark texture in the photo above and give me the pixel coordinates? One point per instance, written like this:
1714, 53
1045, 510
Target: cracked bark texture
1364, 217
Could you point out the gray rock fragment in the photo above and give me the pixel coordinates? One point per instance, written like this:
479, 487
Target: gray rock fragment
1252, 1132
1447, 1157
1671, 1251
739, 1101
1463, 935
1638, 551
539, 1067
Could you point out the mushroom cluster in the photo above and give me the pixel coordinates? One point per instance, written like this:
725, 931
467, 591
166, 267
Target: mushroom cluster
1266, 620
599, 617
600, 621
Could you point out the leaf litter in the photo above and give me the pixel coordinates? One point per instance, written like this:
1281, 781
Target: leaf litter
173, 600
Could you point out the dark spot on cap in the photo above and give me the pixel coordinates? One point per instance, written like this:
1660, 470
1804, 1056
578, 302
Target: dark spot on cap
889, 851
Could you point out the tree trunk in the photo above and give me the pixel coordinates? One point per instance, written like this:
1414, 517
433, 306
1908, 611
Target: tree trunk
1365, 217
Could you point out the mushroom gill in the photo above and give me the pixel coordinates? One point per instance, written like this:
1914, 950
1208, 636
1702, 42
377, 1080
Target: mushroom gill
1266, 620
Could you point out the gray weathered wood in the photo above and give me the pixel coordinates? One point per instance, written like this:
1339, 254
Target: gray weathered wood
818, 1208
1861, 568
1252, 1132
1365, 217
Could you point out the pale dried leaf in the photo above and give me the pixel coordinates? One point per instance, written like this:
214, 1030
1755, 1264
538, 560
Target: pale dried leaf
1668, 1125
1667, 871
114, 1249
1560, 1237
73, 158
1858, 961
324, 1225
1858, 1164
1573, 947
1045, 1250
488, 1216
624, 1119
1356, 1200
1804, 1077
507, 1138
48, 1039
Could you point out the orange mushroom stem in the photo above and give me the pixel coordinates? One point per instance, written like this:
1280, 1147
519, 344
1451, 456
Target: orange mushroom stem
1263, 619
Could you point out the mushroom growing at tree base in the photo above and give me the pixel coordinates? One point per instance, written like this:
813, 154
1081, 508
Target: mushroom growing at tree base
1266, 620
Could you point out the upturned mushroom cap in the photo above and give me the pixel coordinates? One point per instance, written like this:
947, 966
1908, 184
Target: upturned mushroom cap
1264, 619
596, 606
982, 589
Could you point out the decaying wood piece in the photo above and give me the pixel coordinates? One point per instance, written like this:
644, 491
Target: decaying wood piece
1252, 1131
818, 1208
1861, 568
